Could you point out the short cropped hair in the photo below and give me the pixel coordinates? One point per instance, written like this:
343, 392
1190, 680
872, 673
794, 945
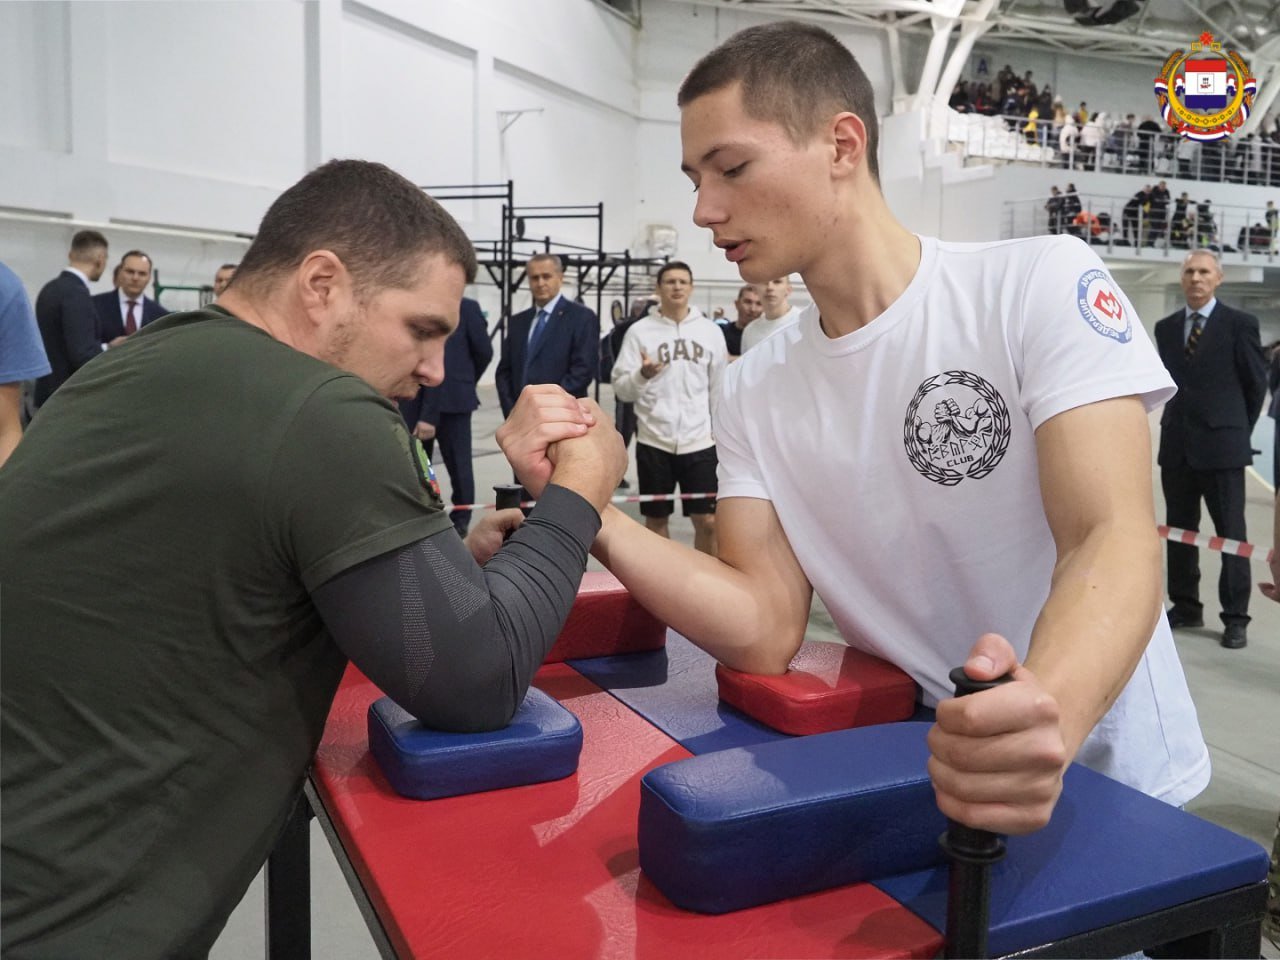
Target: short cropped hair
744, 288
377, 222
674, 265
227, 266
86, 243
550, 258
793, 74
135, 253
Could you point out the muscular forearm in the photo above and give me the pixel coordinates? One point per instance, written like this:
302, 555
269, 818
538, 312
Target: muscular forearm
1096, 623
722, 609
455, 645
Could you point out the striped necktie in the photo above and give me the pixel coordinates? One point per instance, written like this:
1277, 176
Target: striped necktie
1193, 338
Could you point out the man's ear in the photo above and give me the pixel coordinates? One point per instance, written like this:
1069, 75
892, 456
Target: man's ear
849, 134
323, 282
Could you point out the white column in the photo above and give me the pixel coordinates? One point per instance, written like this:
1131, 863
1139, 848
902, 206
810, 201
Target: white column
489, 165
324, 81
1268, 88
970, 31
88, 80
942, 22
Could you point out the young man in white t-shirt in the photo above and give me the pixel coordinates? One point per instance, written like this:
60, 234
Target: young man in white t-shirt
670, 366
951, 446
778, 312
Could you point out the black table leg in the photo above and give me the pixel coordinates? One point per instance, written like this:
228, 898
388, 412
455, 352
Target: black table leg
288, 888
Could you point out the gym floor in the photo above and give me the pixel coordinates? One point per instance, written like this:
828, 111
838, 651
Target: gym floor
1234, 691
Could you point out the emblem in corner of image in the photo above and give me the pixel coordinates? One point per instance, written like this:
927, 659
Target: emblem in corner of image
1206, 93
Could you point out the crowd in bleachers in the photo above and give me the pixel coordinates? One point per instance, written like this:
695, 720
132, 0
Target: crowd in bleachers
1153, 218
1080, 139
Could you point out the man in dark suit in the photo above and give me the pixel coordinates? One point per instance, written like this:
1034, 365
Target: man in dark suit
1214, 354
127, 309
444, 412
554, 341
65, 313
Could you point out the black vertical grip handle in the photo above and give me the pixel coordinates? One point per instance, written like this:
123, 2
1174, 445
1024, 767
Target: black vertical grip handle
507, 497
971, 852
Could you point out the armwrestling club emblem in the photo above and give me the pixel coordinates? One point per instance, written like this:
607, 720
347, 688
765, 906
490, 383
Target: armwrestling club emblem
963, 431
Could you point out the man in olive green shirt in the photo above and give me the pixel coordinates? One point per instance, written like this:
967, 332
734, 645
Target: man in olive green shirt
201, 528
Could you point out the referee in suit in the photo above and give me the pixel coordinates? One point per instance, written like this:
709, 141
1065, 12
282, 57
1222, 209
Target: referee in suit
126, 309
66, 316
443, 413
554, 341
1214, 354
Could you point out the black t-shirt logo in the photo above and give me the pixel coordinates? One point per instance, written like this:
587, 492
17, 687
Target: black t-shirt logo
957, 427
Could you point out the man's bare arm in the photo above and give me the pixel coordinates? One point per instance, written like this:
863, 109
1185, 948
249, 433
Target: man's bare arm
998, 756
748, 609
10, 419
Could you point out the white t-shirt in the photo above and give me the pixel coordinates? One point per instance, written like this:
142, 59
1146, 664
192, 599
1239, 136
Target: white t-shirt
762, 327
901, 461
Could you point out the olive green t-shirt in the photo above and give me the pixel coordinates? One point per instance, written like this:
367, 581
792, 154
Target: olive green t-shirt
163, 672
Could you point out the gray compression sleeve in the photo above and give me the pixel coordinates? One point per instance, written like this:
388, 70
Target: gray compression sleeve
454, 644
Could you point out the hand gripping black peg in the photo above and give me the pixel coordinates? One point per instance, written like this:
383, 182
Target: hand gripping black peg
972, 852
507, 496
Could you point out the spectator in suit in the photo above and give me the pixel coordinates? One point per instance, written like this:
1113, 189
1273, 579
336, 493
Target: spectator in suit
21, 357
1214, 354
66, 315
127, 309
554, 341
222, 279
443, 412
749, 307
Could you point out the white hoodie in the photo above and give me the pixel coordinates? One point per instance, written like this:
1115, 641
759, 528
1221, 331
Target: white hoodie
674, 410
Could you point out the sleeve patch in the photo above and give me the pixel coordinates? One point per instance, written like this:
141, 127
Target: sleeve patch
1102, 308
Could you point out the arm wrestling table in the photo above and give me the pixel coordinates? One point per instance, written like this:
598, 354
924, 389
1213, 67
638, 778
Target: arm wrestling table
551, 870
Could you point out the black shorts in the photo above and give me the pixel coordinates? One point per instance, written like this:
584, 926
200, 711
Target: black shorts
660, 472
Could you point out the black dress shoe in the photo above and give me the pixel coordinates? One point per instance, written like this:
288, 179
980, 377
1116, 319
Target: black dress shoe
1234, 637
1181, 620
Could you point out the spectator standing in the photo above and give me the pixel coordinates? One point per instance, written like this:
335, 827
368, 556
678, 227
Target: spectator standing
778, 313
1053, 207
443, 413
222, 278
670, 367
127, 309
22, 357
1069, 140
1158, 213
554, 341
1214, 355
66, 315
1132, 216
749, 307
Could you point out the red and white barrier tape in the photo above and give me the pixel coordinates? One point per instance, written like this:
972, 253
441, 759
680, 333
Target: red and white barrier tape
1217, 544
1205, 542
641, 498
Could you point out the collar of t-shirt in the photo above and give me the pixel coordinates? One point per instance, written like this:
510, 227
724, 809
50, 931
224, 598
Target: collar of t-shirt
1203, 311
79, 273
550, 307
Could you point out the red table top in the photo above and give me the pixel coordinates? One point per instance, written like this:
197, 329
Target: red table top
551, 870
